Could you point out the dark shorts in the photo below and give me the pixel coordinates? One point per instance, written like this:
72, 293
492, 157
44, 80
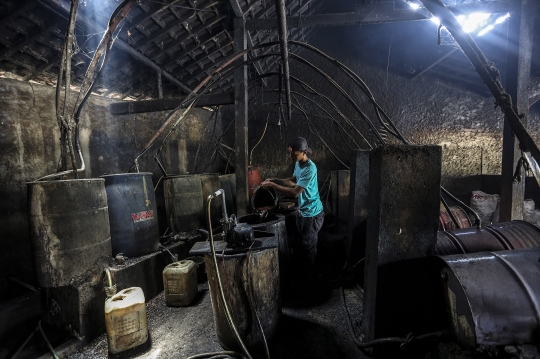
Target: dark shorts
308, 230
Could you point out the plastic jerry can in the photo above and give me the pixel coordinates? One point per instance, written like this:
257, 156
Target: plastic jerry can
125, 320
180, 283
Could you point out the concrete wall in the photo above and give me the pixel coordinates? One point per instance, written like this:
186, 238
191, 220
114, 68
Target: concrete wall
29, 143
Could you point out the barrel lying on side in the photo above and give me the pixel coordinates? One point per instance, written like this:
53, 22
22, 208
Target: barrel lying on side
69, 229
495, 237
493, 297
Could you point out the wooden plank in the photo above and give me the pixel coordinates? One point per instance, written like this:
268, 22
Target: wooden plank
129, 107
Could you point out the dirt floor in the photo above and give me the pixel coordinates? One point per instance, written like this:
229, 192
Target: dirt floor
318, 330
312, 324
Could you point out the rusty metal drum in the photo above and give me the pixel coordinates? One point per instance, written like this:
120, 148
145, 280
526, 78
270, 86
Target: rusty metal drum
274, 223
493, 297
251, 285
184, 203
495, 237
132, 213
69, 229
446, 223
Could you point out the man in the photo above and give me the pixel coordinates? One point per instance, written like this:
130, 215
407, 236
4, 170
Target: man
303, 185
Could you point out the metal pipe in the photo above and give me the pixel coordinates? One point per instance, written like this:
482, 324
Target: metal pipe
282, 29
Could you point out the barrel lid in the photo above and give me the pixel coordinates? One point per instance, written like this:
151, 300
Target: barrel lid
128, 174
80, 180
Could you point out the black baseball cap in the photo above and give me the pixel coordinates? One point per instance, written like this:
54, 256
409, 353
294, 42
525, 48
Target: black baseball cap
299, 144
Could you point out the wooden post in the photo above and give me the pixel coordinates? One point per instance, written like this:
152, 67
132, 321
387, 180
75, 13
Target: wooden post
241, 120
159, 85
518, 70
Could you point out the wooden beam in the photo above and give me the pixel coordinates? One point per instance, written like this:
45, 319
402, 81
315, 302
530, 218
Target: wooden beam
203, 27
19, 9
42, 68
85, 23
142, 42
518, 74
241, 120
129, 107
380, 12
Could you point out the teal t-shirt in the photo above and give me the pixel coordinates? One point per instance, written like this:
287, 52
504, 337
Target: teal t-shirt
309, 202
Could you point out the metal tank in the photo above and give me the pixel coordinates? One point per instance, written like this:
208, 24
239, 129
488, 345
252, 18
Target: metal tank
132, 213
252, 289
184, 203
274, 223
493, 297
446, 223
495, 237
69, 229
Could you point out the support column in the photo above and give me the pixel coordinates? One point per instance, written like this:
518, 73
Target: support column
402, 221
518, 70
241, 120
358, 207
159, 85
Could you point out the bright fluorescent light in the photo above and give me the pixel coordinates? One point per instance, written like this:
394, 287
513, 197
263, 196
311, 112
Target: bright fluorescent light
413, 5
472, 21
460, 18
485, 30
436, 20
502, 18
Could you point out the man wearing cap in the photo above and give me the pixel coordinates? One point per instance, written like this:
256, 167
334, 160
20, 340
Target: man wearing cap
303, 185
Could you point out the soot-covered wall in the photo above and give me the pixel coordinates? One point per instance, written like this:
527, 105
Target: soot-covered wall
29, 143
426, 110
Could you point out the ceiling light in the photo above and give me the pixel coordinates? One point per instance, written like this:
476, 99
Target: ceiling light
473, 21
502, 18
435, 20
413, 5
485, 30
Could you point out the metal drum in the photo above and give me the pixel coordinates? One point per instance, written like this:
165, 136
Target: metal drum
495, 237
254, 179
69, 229
228, 183
184, 203
132, 213
494, 297
446, 223
274, 223
251, 285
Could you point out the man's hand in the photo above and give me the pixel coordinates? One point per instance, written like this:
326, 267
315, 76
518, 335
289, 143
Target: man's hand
267, 184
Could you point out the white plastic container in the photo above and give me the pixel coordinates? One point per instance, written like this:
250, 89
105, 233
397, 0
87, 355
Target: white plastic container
180, 283
125, 320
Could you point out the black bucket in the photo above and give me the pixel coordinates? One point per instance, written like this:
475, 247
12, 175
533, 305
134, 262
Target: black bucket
132, 213
69, 229
264, 199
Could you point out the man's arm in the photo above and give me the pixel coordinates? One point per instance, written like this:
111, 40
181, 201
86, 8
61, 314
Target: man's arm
287, 191
285, 182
